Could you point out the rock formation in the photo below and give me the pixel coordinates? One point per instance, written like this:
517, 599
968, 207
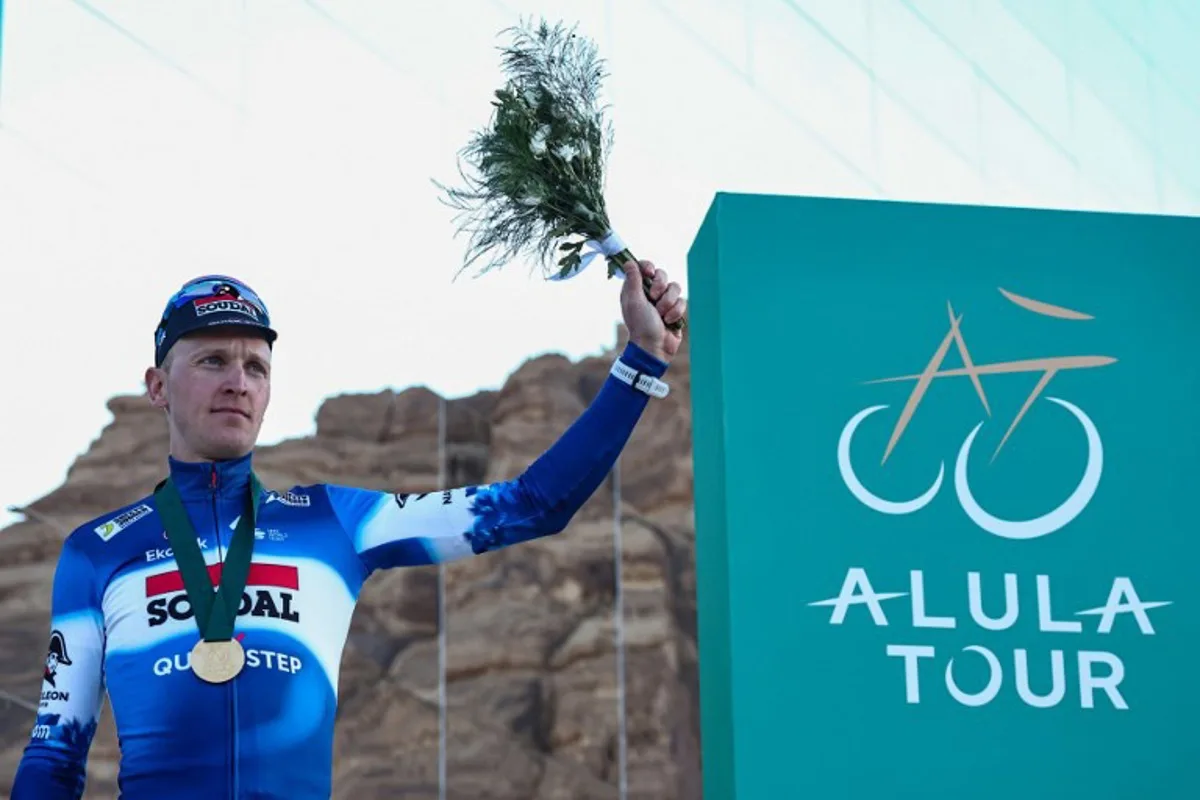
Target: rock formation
532, 670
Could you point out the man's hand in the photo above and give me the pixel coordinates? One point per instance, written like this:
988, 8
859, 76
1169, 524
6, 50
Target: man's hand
647, 319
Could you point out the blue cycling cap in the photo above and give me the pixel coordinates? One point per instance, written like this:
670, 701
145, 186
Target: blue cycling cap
207, 302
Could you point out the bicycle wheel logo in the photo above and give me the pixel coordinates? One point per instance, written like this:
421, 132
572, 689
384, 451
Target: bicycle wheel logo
1033, 528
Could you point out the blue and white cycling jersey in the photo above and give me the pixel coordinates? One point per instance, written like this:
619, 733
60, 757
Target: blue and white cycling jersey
121, 622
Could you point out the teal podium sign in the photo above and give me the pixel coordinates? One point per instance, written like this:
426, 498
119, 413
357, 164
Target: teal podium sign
947, 462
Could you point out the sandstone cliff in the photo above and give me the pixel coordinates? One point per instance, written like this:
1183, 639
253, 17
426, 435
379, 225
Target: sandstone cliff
532, 701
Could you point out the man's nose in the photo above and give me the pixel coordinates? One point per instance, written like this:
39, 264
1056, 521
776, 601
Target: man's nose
237, 381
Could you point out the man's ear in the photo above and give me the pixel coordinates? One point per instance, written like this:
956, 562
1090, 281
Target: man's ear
156, 386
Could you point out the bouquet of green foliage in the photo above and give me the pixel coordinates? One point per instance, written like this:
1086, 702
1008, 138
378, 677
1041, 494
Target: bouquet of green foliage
538, 179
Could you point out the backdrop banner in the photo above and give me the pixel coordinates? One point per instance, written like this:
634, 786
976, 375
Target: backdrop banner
946, 464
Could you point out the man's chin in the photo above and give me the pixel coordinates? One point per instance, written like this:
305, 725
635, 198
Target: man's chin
228, 449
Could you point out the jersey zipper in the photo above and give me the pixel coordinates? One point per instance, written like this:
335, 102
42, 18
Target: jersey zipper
214, 486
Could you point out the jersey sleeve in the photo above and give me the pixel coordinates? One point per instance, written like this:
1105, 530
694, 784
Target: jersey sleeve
396, 530
53, 765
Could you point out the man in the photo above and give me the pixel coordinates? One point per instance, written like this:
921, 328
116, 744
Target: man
214, 612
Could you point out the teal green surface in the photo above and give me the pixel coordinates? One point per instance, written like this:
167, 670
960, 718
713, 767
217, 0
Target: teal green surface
712, 595
797, 303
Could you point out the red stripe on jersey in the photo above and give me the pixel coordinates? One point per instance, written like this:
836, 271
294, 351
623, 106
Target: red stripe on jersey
278, 575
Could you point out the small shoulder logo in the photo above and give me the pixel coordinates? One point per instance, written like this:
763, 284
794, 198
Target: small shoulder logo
270, 534
402, 498
290, 499
122, 521
1050, 366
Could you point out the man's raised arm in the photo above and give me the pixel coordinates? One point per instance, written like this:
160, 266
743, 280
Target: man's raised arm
392, 530
408, 530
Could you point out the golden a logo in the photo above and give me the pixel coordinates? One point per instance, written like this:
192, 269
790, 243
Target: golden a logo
1048, 367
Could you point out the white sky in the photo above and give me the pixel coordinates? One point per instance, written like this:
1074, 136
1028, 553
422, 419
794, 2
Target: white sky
122, 176
293, 143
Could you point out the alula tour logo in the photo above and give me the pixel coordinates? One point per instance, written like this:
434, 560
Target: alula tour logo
1095, 673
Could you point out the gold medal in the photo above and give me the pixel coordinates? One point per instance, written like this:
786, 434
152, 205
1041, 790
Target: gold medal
217, 657
218, 662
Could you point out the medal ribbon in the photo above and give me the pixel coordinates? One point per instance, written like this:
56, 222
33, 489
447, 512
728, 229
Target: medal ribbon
215, 609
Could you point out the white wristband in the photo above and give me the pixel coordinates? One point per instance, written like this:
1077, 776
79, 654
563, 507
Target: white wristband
639, 380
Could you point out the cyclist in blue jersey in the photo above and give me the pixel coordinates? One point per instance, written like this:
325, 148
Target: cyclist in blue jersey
213, 612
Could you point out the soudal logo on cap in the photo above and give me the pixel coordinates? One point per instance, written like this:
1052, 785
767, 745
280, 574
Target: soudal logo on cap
224, 303
270, 592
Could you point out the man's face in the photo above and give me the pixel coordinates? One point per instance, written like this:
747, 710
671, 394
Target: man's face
215, 387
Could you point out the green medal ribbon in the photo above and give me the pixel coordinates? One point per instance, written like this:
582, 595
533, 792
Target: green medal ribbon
215, 609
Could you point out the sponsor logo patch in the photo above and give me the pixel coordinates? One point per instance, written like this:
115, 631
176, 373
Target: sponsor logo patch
255, 659
224, 304
290, 499
161, 553
122, 521
271, 591
56, 656
403, 498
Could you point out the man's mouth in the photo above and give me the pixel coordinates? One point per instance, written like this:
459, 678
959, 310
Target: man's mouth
238, 411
